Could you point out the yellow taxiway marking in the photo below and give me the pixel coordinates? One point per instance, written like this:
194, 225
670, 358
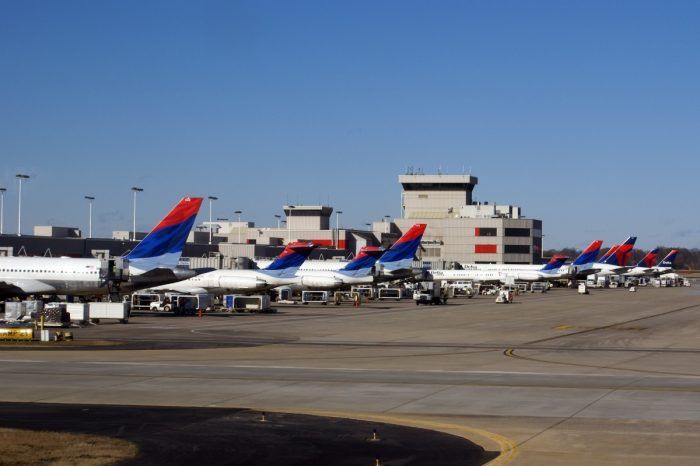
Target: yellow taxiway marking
508, 448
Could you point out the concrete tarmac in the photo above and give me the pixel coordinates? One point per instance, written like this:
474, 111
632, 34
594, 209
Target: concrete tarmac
559, 378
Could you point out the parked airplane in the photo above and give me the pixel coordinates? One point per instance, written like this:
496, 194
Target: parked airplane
356, 272
666, 264
280, 272
510, 268
553, 270
645, 266
616, 261
583, 264
394, 264
397, 261
152, 261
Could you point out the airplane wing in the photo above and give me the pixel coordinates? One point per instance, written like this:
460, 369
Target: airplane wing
25, 286
582, 274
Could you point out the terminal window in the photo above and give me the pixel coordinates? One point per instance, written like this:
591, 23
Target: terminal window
484, 232
517, 232
516, 249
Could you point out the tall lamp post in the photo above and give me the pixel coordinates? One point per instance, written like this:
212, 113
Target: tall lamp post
289, 224
337, 227
2, 209
211, 199
239, 212
278, 217
20, 177
134, 189
90, 199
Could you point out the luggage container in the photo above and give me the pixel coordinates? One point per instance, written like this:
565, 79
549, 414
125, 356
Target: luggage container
367, 292
540, 287
33, 307
317, 297
285, 294
118, 311
390, 293
78, 312
54, 315
340, 297
15, 310
243, 303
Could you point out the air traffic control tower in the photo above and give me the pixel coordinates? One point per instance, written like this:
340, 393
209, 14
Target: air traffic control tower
459, 228
431, 196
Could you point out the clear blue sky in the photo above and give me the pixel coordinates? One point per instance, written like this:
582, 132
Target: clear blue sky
586, 114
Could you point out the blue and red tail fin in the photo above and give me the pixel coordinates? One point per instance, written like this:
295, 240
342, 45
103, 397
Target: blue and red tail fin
289, 261
608, 253
163, 246
618, 255
625, 250
649, 260
554, 263
589, 254
400, 255
364, 261
668, 261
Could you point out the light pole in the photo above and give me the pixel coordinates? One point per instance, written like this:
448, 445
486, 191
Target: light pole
278, 217
239, 212
135, 190
386, 224
289, 224
90, 199
211, 198
2, 209
337, 227
20, 177
542, 249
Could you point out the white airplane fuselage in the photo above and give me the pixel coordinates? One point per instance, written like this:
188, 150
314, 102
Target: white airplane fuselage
482, 276
228, 281
533, 273
51, 275
329, 280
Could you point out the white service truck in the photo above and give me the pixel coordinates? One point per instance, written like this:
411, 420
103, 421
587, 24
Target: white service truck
429, 293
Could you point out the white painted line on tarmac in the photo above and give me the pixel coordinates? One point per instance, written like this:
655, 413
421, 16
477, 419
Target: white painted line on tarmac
23, 360
175, 364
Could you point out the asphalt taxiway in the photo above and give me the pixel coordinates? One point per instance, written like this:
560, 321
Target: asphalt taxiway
559, 378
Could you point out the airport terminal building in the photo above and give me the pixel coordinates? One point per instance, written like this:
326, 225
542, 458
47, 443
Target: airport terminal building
461, 230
